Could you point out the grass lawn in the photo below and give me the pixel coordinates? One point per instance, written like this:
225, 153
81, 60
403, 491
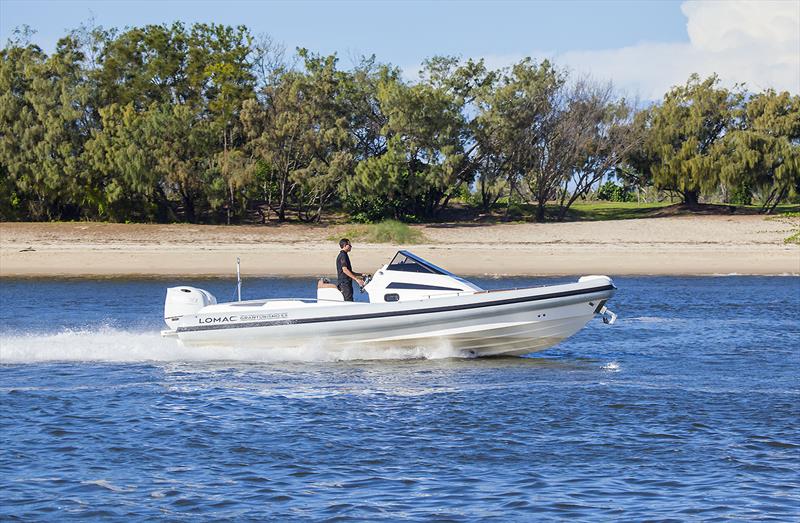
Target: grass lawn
599, 210
594, 211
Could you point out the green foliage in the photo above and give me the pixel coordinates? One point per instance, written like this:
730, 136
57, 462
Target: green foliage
382, 186
42, 131
202, 123
703, 136
369, 209
684, 137
520, 126
298, 129
762, 149
426, 157
742, 194
387, 231
612, 192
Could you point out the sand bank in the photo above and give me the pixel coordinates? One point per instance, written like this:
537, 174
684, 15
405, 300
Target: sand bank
684, 245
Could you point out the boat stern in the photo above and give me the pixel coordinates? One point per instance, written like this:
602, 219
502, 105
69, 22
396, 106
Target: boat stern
181, 301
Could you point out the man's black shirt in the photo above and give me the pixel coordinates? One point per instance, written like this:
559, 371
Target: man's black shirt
343, 260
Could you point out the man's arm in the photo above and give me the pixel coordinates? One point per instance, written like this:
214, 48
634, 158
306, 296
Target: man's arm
353, 275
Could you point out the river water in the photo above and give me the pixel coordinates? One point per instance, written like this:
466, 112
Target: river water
687, 408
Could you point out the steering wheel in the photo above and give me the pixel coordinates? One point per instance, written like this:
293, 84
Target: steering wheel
367, 279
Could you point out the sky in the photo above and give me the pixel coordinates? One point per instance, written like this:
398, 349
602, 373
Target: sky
644, 47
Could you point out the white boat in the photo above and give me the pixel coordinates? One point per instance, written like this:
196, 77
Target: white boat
412, 303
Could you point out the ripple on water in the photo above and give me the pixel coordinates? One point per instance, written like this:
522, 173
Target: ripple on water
686, 409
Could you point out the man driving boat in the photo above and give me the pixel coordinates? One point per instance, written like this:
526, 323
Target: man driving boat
344, 271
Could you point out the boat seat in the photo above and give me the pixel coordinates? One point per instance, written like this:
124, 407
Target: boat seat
325, 283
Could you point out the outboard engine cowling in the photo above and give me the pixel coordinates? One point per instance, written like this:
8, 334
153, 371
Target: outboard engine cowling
185, 300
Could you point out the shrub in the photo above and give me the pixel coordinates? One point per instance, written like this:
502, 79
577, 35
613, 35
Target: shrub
612, 192
367, 209
387, 231
742, 194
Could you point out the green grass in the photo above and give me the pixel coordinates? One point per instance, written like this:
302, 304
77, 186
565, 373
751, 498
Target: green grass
596, 211
586, 211
788, 209
389, 231
794, 238
791, 218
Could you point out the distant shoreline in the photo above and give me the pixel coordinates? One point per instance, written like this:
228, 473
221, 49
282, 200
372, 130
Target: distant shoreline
682, 245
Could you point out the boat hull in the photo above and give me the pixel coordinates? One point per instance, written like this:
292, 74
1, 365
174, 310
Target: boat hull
503, 323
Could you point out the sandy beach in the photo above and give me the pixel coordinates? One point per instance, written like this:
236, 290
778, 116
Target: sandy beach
682, 245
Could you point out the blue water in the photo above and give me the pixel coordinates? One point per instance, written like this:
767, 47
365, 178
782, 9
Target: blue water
688, 408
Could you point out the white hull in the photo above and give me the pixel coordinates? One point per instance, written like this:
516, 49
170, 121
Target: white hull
500, 323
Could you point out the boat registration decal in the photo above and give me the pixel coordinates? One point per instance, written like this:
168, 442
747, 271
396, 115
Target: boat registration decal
256, 317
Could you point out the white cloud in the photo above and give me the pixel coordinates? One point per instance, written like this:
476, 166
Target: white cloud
752, 42
756, 43
723, 26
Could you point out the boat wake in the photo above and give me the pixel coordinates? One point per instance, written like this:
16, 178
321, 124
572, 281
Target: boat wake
108, 344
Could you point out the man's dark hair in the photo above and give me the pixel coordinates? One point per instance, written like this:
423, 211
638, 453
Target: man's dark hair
343, 242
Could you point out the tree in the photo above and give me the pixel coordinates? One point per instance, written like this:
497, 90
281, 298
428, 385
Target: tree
204, 123
45, 124
21, 130
682, 145
167, 76
430, 152
762, 150
268, 61
524, 124
228, 82
150, 64
602, 133
300, 135
154, 164
123, 166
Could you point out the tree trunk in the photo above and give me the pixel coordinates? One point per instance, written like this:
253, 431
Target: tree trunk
232, 201
768, 202
778, 200
281, 210
562, 211
484, 196
168, 205
691, 198
188, 208
540, 210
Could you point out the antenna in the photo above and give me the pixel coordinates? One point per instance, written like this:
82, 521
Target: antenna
238, 281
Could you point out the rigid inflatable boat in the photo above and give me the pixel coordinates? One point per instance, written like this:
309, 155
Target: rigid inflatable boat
412, 303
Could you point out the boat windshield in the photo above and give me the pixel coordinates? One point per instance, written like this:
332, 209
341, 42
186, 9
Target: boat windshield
407, 262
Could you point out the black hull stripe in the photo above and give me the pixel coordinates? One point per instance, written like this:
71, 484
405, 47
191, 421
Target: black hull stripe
448, 308
415, 286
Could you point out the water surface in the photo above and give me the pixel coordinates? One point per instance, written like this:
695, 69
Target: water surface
687, 408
